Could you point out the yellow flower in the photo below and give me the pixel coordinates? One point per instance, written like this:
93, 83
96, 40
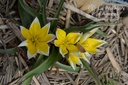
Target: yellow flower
73, 60
66, 43
36, 38
90, 44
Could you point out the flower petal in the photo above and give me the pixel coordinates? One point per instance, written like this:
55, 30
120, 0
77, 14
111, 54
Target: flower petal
46, 28
86, 56
31, 47
87, 35
84, 37
72, 38
25, 32
63, 50
73, 60
93, 31
57, 43
72, 48
24, 43
91, 44
60, 34
43, 48
47, 38
29, 55
35, 27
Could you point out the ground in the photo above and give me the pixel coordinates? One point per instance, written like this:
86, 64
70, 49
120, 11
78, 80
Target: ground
111, 64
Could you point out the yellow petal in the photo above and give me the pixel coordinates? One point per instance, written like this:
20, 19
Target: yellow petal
91, 44
73, 60
31, 47
47, 38
86, 56
57, 43
72, 38
44, 30
43, 48
60, 34
35, 27
63, 50
72, 48
84, 37
25, 32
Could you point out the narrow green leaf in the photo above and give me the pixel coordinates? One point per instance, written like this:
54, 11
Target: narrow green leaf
25, 17
86, 65
68, 68
31, 11
38, 62
44, 12
100, 32
54, 23
9, 51
87, 27
28, 9
40, 2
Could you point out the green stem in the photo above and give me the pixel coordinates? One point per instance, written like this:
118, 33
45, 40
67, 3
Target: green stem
68, 68
96, 79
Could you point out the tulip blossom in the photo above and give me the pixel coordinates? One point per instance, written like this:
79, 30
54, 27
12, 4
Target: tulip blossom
66, 43
37, 38
90, 44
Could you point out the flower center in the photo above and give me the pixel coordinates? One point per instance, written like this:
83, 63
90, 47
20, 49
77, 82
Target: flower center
34, 39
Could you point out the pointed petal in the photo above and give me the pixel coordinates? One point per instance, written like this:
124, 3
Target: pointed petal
73, 60
29, 55
60, 34
24, 43
63, 50
72, 48
31, 48
44, 31
35, 27
46, 28
84, 37
25, 32
87, 35
43, 48
86, 56
93, 31
95, 42
91, 44
47, 38
72, 38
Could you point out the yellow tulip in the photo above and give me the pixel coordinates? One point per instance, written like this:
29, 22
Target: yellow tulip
36, 38
66, 43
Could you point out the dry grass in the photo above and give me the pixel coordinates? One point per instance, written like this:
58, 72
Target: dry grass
107, 63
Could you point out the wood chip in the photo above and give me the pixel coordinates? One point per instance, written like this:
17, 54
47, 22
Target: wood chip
113, 60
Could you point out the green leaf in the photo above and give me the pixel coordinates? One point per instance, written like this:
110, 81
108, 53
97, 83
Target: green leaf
25, 17
54, 23
38, 62
86, 65
30, 11
40, 2
9, 51
68, 68
44, 66
100, 32
87, 27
